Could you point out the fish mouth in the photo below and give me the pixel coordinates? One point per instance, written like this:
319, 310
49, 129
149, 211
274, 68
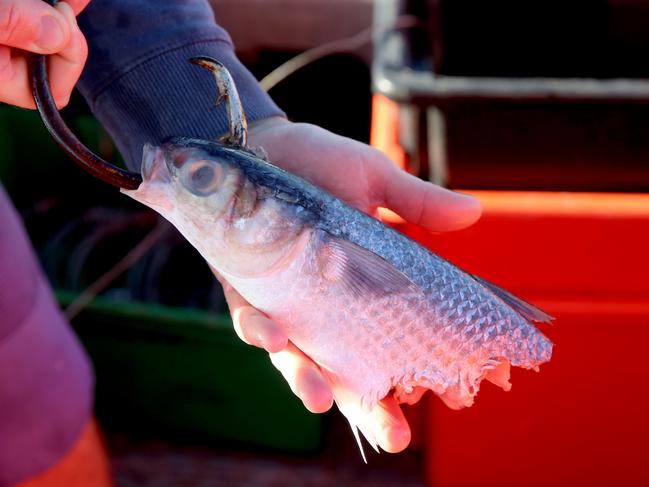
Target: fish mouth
154, 167
155, 189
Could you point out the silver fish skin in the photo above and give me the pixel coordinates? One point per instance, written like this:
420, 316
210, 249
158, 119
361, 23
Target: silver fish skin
378, 313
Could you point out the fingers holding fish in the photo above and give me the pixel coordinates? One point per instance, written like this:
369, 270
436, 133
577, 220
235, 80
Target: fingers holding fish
389, 426
387, 422
250, 324
423, 203
361, 175
33, 26
255, 328
304, 378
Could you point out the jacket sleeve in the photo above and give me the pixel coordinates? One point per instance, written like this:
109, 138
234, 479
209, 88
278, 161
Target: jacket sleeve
138, 82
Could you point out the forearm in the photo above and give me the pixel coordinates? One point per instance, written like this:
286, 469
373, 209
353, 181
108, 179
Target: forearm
45, 377
138, 81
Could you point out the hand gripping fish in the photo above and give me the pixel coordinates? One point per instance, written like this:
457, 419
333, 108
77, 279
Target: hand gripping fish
377, 312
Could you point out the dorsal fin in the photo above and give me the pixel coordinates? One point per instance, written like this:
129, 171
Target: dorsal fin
525, 309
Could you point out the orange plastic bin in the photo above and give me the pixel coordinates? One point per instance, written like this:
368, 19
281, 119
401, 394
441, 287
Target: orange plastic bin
584, 419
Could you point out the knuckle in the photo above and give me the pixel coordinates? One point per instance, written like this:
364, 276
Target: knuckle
11, 20
83, 48
6, 72
425, 201
60, 94
6, 68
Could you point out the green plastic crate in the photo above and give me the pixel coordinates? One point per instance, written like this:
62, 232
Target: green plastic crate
186, 372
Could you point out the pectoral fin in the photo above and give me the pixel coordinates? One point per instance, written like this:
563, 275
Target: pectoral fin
359, 270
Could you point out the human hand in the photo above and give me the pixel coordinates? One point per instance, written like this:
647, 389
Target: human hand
366, 179
34, 26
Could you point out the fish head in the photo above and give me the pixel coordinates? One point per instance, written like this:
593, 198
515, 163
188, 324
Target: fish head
209, 192
187, 180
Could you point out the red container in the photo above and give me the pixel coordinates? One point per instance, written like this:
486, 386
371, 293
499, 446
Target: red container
584, 419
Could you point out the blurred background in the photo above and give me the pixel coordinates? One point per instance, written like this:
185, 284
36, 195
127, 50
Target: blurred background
540, 109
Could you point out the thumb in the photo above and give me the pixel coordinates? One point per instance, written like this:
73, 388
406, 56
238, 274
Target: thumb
33, 25
423, 203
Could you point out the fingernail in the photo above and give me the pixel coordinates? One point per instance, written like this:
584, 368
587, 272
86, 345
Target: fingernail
51, 34
471, 209
463, 196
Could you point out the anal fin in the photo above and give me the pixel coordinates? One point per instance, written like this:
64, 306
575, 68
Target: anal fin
358, 441
358, 416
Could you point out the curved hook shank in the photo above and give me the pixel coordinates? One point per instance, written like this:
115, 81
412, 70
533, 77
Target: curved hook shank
64, 137
228, 92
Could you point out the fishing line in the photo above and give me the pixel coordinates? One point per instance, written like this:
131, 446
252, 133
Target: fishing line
338, 46
135, 254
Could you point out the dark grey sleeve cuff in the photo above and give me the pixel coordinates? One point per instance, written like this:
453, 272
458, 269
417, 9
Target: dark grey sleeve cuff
164, 95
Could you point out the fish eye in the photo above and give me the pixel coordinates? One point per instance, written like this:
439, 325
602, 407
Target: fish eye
203, 177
